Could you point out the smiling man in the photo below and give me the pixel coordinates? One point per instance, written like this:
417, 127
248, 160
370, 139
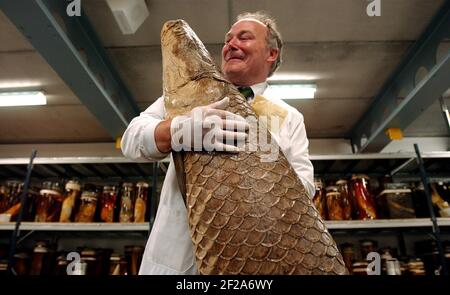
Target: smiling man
251, 53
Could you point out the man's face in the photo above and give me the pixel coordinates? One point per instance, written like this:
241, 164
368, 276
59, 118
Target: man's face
246, 58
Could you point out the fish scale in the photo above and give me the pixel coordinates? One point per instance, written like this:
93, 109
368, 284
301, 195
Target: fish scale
246, 216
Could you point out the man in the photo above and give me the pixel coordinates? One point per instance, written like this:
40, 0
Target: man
251, 53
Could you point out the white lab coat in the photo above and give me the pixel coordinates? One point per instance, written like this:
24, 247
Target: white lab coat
169, 249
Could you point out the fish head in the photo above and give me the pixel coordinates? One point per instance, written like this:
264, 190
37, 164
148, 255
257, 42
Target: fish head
185, 57
190, 77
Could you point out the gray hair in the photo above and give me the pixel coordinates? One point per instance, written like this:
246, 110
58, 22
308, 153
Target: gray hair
273, 38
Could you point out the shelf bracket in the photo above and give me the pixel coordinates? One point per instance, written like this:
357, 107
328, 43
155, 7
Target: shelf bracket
403, 165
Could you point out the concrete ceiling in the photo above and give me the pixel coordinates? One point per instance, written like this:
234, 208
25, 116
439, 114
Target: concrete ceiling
348, 54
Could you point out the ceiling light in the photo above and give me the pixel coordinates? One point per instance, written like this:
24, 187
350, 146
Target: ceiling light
28, 98
291, 90
129, 14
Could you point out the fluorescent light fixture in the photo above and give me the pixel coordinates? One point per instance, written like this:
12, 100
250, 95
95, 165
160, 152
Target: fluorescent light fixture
291, 90
28, 98
129, 14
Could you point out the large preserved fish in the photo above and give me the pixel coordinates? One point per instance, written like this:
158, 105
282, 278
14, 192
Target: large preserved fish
246, 215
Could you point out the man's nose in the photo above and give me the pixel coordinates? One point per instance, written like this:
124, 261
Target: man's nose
232, 43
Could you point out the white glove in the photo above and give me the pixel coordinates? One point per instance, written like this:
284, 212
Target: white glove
209, 128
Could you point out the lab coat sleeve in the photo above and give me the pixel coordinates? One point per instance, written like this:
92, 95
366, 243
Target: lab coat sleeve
138, 140
299, 154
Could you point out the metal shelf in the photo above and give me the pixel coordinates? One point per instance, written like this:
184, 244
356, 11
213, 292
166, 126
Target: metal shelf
386, 223
345, 225
98, 160
381, 223
334, 166
63, 226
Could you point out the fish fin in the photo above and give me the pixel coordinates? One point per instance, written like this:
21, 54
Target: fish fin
178, 159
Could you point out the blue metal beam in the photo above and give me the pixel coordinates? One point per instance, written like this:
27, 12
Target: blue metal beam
72, 49
388, 110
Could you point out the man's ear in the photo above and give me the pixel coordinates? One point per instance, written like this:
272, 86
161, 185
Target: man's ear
273, 54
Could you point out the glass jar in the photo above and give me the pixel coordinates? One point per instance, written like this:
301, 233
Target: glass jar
393, 267
88, 205
41, 263
363, 197
4, 267
420, 201
61, 265
416, 267
22, 263
90, 258
334, 204
319, 199
360, 268
4, 198
70, 199
117, 265
345, 198
49, 205
29, 212
133, 255
140, 204
367, 246
348, 255
108, 203
126, 203
396, 203
12, 198
428, 251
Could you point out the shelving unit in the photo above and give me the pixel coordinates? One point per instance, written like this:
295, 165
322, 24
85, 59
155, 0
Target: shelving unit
144, 226
437, 164
401, 232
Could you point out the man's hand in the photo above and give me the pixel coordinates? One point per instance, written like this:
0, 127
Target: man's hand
209, 128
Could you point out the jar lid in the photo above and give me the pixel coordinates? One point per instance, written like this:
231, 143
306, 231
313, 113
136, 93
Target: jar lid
142, 184
416, 264
395, 191
40, 248
133, 248
49, 192
109, 188
367, 243
73, 185
341, 181
88, 253
333, 194
360, 176
332, 188
396, 185
89, 196
127, 184
114, 256
22, 255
